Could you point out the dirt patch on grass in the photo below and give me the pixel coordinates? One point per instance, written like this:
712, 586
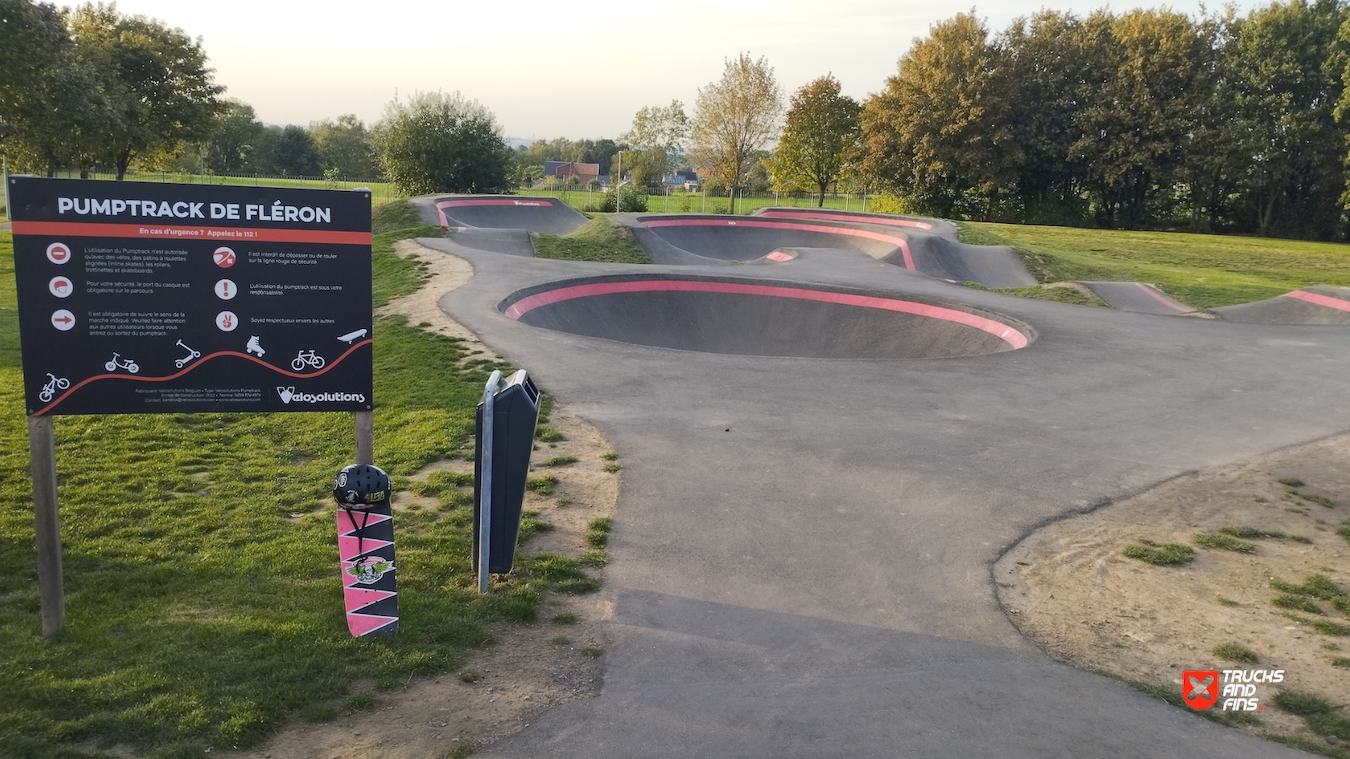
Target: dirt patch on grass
530, 667
1265, 526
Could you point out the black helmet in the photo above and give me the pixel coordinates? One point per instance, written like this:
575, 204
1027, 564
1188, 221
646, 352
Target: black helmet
361, 486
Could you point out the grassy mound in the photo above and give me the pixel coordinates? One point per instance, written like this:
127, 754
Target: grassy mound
600, 239
1205, 271
399, 214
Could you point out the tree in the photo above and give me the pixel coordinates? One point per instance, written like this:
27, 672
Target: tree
1046, 68
1152, 73
939, 132
1287, 72
735, 117
159, 91
237, 142
344, 145
52, 108
290, 151
820, 135
441, 143
656, 141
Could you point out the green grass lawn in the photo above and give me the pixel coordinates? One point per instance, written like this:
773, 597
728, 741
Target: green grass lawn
1205, 271
203, 599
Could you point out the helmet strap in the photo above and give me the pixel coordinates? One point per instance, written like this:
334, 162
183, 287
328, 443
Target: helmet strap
365, 519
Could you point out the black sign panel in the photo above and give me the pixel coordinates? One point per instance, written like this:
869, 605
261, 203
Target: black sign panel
139, 298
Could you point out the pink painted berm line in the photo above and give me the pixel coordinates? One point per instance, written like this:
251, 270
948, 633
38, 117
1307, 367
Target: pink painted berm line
1153, 293
896, 241
826, 215
1005, 333
444, 204
1321, 300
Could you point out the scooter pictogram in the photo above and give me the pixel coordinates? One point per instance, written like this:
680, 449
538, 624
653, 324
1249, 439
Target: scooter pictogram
192, 354
48, 391
129, 364
307, 358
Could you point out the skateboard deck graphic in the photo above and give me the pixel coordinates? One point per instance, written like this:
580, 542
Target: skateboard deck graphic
369, 578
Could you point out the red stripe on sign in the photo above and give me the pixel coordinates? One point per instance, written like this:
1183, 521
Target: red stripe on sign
1002, 331
193, 366
1163, 299
1321, 300
848, 217
897, 241
173, 232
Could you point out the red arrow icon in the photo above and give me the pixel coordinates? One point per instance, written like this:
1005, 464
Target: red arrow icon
63, 320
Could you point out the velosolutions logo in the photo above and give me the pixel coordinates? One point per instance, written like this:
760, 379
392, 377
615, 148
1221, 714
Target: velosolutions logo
289, 396
1200, 688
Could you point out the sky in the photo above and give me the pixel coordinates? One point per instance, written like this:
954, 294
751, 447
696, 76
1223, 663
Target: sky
576, 69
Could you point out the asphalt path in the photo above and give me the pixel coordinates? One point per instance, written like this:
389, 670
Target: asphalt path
801, 559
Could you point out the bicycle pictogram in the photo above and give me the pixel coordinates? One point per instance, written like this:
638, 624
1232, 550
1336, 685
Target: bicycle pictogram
48, 391
114, 364
307, 358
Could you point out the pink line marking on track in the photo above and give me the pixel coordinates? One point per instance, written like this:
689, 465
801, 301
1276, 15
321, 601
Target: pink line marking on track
779, 256
444, 204
1321, 300
848, 217
1166, 301
896, 241
1005, 333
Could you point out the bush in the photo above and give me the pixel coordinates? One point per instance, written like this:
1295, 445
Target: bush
435, 142
891, 204
630, 201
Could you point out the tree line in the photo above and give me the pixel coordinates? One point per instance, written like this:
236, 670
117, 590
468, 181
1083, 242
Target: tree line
1142, 119
1145, 119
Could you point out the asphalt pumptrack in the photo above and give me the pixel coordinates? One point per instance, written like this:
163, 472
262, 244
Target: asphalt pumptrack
827, 442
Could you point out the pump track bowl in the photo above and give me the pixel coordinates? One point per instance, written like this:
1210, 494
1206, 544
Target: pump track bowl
755, 319
801, 562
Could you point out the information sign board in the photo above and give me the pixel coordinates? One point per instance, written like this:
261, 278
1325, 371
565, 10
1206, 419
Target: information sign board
142, 298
